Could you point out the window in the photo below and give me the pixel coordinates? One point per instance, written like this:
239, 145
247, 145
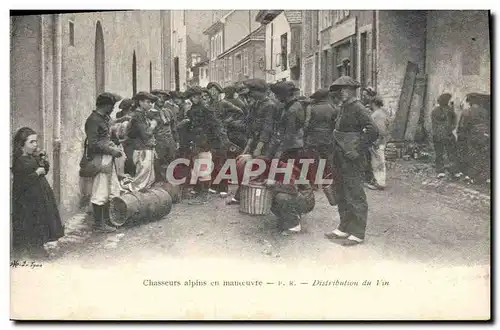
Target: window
71, 33
212, 47
224, 69
237, 63
220, 44
216, 52
229, 67
201, 73
284, 53
245, 62
324, 68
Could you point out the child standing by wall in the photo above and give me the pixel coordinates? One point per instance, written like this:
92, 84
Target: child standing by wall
35, 217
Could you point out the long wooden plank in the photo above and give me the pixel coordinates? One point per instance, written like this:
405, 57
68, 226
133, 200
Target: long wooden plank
405, 98
416, 107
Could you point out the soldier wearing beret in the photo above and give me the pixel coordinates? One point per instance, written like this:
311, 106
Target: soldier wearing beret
230, 95
289, 124
142, 133
354, 133
102, 148
242, 91
163, 118
260, 118
259, 121
207, 133
225, 112
320, 123
233, 120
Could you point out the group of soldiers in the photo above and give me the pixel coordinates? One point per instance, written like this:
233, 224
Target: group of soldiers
253, 120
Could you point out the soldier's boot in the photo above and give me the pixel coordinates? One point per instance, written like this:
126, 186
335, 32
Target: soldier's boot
106, 216
99, 220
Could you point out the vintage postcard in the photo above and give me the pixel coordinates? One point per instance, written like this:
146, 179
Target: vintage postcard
250, 165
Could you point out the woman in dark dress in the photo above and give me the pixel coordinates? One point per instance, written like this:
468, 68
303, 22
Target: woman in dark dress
35, 217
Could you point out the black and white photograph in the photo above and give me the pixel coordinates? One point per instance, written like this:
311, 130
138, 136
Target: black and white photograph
217, 164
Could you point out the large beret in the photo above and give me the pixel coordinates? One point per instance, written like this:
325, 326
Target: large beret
345, 81
108, 98
444, 99
126, 104
256, 85
144, 96
320, 94
229, 89
195, 90
159, 92
284, 87
214, 84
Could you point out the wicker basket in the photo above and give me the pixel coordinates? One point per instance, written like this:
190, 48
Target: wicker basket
255, 199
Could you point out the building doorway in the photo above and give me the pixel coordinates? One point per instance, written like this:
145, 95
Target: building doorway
176, 72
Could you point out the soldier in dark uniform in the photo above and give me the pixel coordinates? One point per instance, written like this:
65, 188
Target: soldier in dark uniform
230, 96
242, 91
290, 123
319, 129
178, 99
259, 119
223, 110
207, 134
142, 133
100, 144
164, 132
234, 118
354, 133
259, 122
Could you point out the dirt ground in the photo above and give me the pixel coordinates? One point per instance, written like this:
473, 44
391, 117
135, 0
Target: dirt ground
406, 223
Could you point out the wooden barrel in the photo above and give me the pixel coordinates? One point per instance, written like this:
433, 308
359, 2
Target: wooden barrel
255, 199
163, 205
150, 205
124, 208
